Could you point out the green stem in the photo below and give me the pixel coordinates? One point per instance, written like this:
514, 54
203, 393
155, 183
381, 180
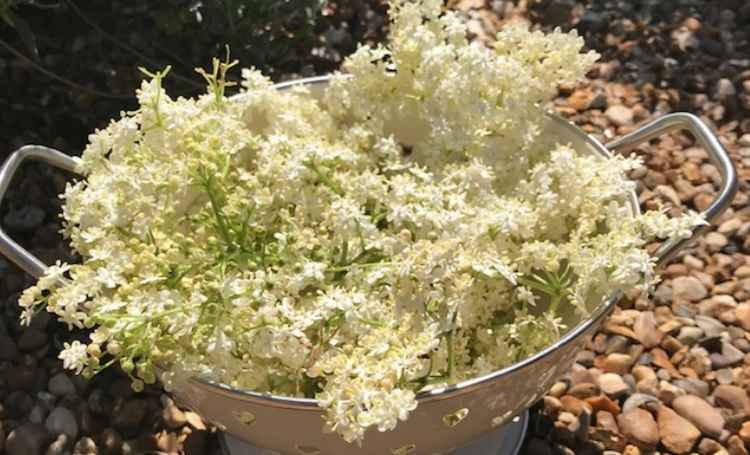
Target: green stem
370, 322
451, 356
218, 214
324, 179
556, 299
351, 266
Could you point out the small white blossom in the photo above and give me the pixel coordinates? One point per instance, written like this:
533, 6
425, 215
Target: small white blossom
74, 356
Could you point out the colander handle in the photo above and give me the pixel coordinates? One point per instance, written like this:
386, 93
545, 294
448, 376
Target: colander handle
8, 248
717, 153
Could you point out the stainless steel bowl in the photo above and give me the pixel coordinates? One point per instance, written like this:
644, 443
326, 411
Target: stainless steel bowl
447, 418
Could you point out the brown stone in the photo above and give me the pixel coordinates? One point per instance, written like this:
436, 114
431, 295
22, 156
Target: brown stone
641, 372
744, 432
689, 288
607, 421
612, 384
617, 363
732, 397
631, 450
639, 426
619, 330
661, 360
708, 446
736, 446
742, 312
584, 390
697, 410
603, 403
581, 99
552, 406
676, 433
645, 330
574, 405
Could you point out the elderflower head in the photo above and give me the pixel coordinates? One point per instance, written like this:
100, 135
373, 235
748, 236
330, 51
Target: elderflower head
294, 246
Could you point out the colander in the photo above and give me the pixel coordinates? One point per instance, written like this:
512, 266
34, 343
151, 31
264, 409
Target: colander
448, 418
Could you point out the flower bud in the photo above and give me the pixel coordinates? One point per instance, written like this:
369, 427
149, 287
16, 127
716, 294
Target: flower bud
113, 347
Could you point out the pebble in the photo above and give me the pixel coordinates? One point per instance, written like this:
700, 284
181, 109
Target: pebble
736, 446
676, 433
26, 218
698, 411
607, 421
58, 445
62, 421
194, 420
742, 313
725, 89
729, 356
85, 446
111, 440
32, 339
617, 363
98, 402
716, 240
581, 99
690, 335
645, 330
130, 415
8, 348
642, 372
584, 390
603, 403
708, 446
689, 288
28, 439
710, 326
730, 226
744, 432
616, 343
639, 426
552, 405
558, 389
668, 392
37, 414
619, 115
61, 385
668, 193
732, 397
612, 384
637, 400
18, 404
173, 416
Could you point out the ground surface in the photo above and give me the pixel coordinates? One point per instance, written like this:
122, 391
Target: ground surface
669, 373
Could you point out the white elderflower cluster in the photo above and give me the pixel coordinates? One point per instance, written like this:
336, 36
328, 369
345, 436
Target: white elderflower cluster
276, 243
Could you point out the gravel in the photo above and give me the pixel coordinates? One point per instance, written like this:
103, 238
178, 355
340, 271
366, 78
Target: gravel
691, 368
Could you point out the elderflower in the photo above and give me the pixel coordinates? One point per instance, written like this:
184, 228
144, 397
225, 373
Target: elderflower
289, 245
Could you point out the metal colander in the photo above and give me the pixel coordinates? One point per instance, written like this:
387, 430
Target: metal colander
446, 418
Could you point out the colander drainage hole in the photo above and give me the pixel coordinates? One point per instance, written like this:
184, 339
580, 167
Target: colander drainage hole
455, 418
409, 448
309, 450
